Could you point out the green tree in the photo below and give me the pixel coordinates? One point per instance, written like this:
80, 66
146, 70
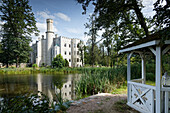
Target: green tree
162, 13
81, 50
93, 36
58, 62
0, 48
107, 43
19, 24
110, 11
66, 63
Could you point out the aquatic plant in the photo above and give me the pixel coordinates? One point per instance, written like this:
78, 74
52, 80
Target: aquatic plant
31, 103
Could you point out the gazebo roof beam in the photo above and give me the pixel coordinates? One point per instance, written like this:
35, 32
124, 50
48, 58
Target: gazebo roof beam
153, 51
166, 50
147, 44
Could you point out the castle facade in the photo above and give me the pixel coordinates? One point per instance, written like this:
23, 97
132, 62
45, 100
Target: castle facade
45, 49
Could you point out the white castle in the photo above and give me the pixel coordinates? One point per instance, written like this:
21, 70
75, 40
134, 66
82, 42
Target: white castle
44, 50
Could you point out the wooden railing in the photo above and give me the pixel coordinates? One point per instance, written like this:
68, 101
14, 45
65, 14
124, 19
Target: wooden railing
141, 97
166, 99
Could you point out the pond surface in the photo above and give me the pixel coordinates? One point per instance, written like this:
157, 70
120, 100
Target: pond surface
13, 85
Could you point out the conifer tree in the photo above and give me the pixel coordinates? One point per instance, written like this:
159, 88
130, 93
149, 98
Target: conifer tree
19, 24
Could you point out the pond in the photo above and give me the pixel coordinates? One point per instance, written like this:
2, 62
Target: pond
13, 85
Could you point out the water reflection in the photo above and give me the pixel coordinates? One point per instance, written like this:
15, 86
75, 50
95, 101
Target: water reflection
13, 85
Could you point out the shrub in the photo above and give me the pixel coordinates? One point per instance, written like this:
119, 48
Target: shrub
58, 62
66, 63
34, 66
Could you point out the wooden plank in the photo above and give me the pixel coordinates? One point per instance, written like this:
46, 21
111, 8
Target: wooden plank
151, 43
128, 76
166, 50
166, 102
158, 79
137, 80
143, 69
153, 51
143, 85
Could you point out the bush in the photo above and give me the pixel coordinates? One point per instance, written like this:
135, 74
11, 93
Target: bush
34, 66
58, 62
66, 63
32, 103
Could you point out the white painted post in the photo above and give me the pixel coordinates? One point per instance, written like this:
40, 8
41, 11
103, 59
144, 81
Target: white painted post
129, 76
166, 102
143, 69
158, 79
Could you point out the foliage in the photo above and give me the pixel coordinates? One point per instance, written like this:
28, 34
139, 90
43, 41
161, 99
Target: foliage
66, 63
39, 70
93, 36
81, 48
162, 13
96, 80
58, 62
122, 22
30, 103
34, 66
26, 103
0, 48
19, 24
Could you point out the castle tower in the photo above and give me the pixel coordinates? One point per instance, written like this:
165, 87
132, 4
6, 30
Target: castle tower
49, 41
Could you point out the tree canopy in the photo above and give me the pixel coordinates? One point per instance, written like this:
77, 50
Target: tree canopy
123, 23
59, 62
19, 24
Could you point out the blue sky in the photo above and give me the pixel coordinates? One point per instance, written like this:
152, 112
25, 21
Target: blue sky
67, 16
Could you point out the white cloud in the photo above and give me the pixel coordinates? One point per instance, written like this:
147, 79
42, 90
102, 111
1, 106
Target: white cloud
45, 15
63, 16
55, 22
42, 27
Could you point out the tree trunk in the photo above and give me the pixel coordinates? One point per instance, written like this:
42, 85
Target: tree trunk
92, 55
140, 17
17, 60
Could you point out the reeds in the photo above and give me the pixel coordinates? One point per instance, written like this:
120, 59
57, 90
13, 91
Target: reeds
96, 80
38, 70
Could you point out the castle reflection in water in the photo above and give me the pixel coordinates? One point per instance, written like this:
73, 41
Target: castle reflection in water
20, 84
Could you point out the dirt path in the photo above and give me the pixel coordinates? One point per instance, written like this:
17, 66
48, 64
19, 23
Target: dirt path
100, 103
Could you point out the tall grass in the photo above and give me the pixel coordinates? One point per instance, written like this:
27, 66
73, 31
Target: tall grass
38, 70
94, 80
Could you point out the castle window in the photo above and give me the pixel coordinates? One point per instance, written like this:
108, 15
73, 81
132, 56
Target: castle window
77, 45
69, 53
65, 86
77, 52
69, 45
74, 45
65, 45
69, 60
77, 59
65, 53
69, 93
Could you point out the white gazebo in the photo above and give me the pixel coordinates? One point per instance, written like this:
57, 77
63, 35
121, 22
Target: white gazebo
142, 97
